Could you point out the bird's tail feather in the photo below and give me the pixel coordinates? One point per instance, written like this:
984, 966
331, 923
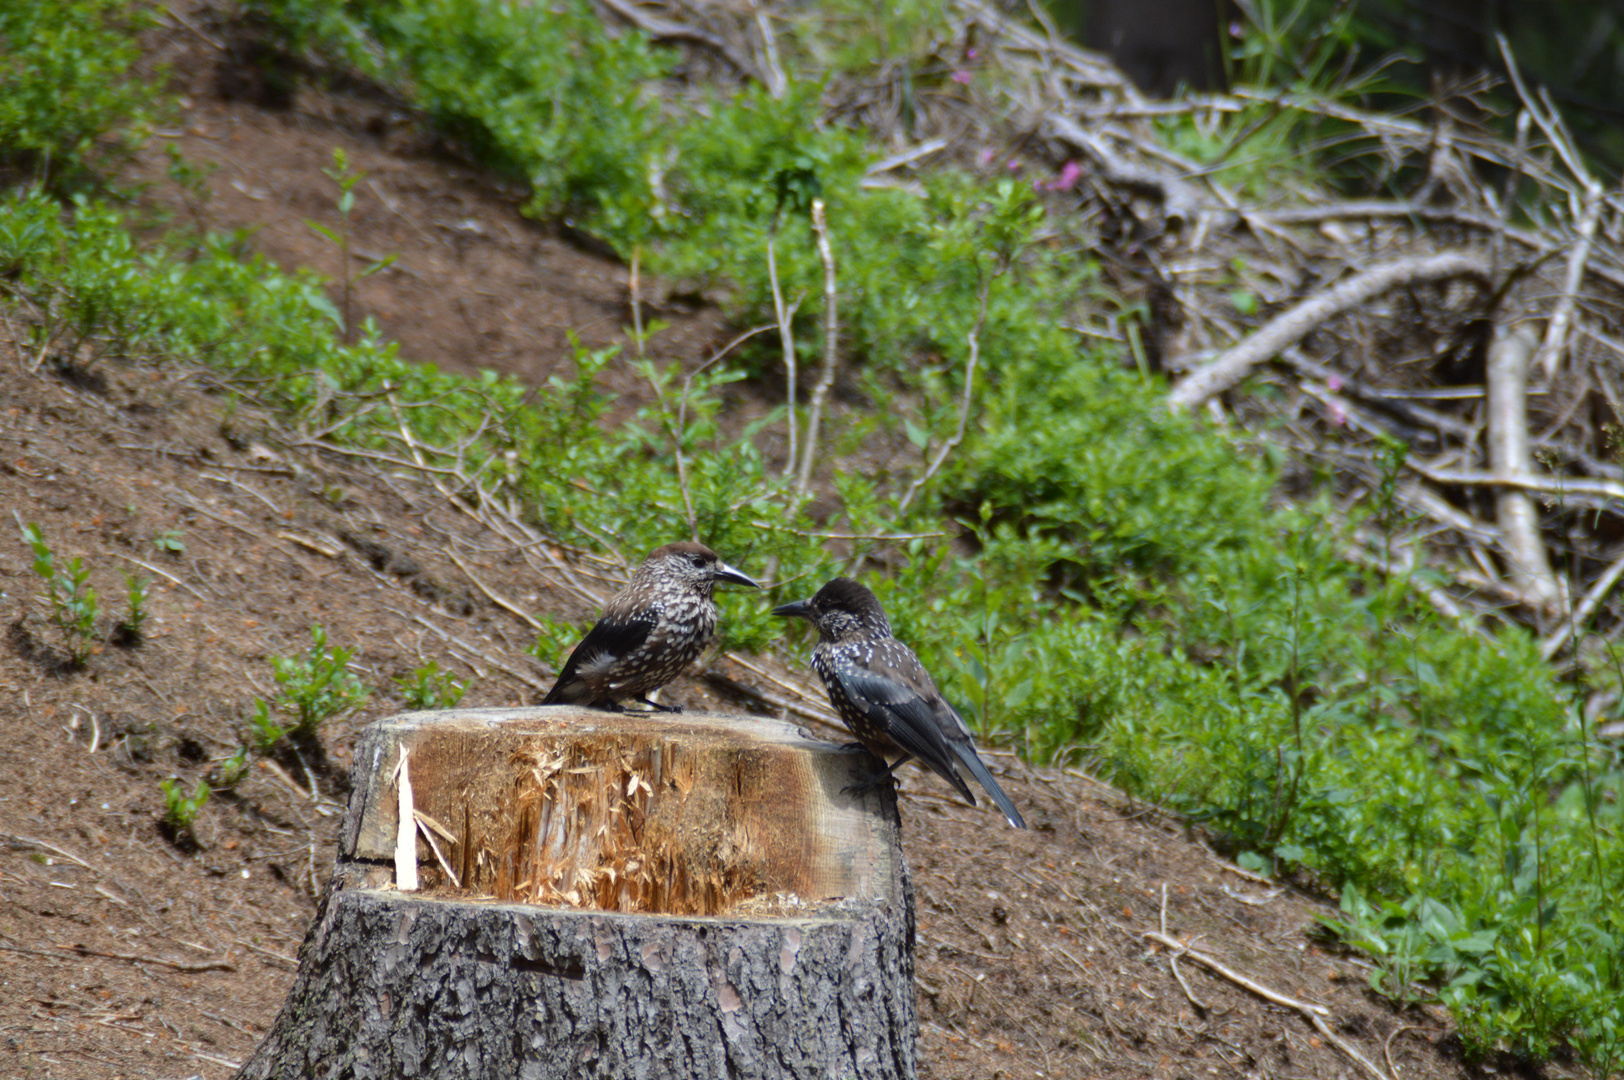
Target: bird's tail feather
946, 771
966, 752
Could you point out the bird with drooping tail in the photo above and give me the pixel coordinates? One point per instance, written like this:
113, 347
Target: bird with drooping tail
884, 694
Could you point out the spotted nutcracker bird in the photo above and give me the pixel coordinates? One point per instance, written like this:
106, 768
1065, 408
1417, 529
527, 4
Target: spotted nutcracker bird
884, 694
650, 633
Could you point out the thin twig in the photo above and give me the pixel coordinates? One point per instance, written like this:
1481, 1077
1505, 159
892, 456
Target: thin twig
831, 350
29, 841
1508, 193
776, 82
1583, 611
802, 703
251, 947
1307, 1008
656, 27
451, 639
907, 157
1441, 601
1533, 241
634, 283
947, 448
495, 598
1549, 357
1173, 962
218, 46
1314, 1014
1387, 1045
786, 338
163, 574
1575, 487
1290, 326
1173, 958
1180, 198
1548, 124
79, 952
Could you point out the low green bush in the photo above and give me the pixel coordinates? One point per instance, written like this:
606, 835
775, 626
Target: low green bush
317, 685
70, 106
427, 687
181, 809
67, 587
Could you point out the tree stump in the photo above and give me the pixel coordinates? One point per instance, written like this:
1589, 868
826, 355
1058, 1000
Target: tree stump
605, 895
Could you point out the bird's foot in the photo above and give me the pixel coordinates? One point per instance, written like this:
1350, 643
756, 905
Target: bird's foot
657, 707
607, 706
876, 777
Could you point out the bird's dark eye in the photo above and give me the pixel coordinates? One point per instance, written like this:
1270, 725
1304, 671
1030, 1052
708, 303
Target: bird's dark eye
699, 561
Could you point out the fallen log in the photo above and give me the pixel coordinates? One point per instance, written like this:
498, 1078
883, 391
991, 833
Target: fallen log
608, 896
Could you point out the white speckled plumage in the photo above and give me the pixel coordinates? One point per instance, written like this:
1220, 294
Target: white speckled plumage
651, 632
884, 694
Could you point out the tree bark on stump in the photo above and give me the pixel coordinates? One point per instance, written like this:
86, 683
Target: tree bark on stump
612, 896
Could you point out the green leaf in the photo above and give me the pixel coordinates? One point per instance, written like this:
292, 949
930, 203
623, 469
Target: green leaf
380, 264
331, 234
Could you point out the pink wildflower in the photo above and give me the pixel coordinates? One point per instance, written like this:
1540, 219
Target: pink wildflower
1070, 173
1014, 166
1334, 384
961, 77
1339, 415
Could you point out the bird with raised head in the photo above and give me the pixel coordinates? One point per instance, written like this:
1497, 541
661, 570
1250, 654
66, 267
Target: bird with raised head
884, 694
651, 632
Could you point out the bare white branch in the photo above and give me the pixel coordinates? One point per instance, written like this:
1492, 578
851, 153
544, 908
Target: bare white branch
831, 349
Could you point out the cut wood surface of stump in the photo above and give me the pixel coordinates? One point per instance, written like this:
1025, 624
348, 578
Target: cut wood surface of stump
605, 895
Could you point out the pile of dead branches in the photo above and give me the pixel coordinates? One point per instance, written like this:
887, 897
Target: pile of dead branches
1467, 334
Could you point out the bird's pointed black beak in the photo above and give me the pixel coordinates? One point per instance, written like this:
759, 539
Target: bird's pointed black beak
800, 609
724, 572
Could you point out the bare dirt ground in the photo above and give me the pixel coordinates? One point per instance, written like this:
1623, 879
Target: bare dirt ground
125, 952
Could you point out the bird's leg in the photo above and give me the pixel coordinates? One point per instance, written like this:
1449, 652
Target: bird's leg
878, 776
657, 707
607, 706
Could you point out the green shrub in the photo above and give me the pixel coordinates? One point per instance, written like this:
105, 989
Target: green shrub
266, 733
231, 771
316, 686
430, 688
539, 91
73, 601
137, 591
181, 809
70, 107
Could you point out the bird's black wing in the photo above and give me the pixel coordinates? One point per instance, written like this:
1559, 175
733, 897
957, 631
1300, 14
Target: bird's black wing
928, 728
609, 640
905, 716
